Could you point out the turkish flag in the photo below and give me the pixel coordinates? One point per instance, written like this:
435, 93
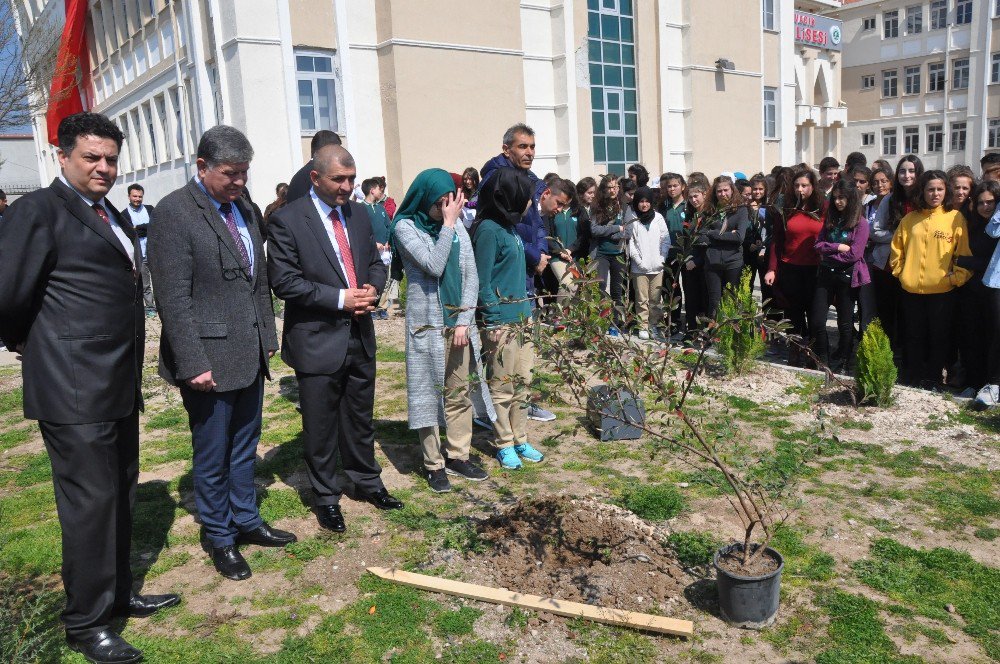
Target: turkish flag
70, 82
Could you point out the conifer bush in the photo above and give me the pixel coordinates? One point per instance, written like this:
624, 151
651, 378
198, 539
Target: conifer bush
740, 344
877, 372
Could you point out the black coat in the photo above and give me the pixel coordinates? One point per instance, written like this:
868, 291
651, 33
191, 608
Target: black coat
216, 317
300, 184
305, 273
70, 294
140, 229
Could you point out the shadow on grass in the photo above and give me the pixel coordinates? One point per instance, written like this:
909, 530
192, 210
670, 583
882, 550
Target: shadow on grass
152, 518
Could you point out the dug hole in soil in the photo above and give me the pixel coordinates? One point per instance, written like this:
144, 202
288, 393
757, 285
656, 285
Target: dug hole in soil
582, 551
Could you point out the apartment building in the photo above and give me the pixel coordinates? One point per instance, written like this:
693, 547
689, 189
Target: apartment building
922, 77
674, 84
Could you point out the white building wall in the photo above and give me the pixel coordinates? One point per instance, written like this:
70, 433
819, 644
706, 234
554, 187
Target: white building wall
358, 56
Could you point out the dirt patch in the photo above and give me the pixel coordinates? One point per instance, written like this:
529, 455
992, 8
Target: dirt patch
582, 551
761, 565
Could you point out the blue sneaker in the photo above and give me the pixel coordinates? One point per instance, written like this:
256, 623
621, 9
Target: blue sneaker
508, 458
529, 453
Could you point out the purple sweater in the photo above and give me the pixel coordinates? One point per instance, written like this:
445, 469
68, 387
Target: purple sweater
857, 239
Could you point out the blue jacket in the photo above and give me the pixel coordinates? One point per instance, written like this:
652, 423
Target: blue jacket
531, 227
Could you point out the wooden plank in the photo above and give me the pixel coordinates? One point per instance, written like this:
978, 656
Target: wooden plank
567, 609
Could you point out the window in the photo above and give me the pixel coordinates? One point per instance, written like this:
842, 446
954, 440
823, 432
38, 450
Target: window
914, 20
889, 83
613, 99
960, 74
935, 74
996, 8
868, 22
767, 19
935, 138
995, 68
888, 141
993, 133
890, 24
316, 84
911, 80
957, 136
867, 139
939, 14
963, 12
770, 112
147, 116
867, 81
911, 140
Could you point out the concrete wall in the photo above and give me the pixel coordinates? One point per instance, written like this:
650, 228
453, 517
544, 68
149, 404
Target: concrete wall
18, 161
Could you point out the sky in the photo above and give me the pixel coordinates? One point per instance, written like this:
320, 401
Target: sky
6, 55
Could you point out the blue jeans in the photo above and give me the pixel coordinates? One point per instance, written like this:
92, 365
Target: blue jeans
225, 429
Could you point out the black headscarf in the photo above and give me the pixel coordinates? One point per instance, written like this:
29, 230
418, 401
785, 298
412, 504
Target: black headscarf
644, 193
504, 197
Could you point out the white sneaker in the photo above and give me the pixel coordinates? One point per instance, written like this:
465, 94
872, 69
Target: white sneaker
644, 335
988, 397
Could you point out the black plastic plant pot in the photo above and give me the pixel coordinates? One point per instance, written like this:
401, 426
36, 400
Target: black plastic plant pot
750, 602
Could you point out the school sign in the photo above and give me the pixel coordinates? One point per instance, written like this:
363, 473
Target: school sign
818, 31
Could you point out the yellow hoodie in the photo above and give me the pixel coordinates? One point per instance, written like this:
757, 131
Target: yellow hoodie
924, 248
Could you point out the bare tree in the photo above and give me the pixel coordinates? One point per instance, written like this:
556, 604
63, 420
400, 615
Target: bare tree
27, 66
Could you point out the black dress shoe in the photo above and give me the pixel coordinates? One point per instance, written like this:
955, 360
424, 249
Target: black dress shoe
142, 606
230, 563
382, 500
329, 517
265, 535
106, 647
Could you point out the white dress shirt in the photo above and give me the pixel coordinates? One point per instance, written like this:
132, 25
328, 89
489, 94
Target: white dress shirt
324, 216
241, 224
115, 226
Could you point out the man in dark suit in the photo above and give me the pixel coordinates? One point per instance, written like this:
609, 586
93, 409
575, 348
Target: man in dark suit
71, 303
140, 215
207, 257
323, 263
301, 182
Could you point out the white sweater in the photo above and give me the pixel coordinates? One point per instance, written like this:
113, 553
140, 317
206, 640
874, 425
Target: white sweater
648, 245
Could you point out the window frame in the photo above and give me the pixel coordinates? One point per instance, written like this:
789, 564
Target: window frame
938, 10
772, 106
960, 73
313, 78
869, 23
887, 134
936, 76
963, 12
995, 67
911, 80
890, 76
959, 131
935, 138
867, 139
914, 19
868, 81
911, 140
768, 8
993, 133
890, 18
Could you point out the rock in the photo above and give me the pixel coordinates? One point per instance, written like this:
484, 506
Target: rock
852, 522
534, 632
683, 485
534, 622
950, 608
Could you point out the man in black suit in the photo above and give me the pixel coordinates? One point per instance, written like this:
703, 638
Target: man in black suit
301, 182
141, 214
323, 263
71, 303
207, 257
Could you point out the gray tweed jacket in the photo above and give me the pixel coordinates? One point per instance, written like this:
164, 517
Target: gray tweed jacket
216, 317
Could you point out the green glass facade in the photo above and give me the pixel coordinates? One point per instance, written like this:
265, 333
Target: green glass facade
611, 56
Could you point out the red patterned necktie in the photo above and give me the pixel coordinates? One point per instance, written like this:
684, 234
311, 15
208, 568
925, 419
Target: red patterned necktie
102, 213
227, 213
345, 249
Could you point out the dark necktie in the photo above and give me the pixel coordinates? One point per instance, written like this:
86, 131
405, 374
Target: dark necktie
102, 213
345, 249
227, 213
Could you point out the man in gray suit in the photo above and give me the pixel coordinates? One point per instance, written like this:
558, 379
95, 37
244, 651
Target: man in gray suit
206, 254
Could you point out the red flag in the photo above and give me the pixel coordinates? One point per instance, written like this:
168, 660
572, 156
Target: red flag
66, 93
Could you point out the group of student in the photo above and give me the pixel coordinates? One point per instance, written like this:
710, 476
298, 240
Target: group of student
481, 250
915, 248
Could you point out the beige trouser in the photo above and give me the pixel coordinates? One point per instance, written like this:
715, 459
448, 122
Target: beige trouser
566, 284
508, 364
648, 287
457, 409
389, 294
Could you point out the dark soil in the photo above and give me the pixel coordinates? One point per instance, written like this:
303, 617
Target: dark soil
582, 551
761, 565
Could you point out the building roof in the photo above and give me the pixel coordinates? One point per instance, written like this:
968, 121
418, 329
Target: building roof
16, 136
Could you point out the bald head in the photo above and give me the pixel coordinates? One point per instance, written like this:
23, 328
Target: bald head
330, 155
333, 175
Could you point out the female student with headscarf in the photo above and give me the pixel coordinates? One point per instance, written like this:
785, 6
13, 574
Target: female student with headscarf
648, 245
433, 249
508, 353
925, 249
725, 232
